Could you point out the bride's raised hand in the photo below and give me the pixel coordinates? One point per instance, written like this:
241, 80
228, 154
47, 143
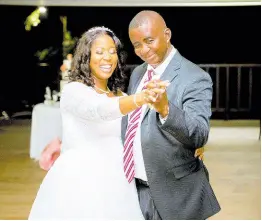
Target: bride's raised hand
154, 89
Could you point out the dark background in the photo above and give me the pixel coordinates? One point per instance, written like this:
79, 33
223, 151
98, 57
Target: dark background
204, 35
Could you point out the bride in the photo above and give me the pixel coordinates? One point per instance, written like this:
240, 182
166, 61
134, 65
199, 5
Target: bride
87, 181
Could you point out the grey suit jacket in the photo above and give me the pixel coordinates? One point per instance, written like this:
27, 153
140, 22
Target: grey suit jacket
178, 181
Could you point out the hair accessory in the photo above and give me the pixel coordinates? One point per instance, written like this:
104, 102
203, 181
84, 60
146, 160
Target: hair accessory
100, 28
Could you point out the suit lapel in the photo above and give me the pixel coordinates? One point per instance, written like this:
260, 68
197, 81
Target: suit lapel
170, 72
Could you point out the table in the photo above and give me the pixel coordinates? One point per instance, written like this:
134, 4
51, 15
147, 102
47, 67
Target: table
45, 126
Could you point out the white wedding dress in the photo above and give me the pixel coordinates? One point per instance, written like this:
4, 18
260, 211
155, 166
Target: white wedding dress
87, 181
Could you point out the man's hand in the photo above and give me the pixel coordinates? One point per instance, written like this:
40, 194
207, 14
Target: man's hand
157, 89
200, 153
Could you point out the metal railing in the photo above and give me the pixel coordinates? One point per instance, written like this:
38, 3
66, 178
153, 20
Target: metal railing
242, 76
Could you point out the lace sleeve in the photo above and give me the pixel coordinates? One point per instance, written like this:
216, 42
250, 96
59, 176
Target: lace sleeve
84, 102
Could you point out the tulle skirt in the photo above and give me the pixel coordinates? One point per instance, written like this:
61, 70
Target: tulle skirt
87, 184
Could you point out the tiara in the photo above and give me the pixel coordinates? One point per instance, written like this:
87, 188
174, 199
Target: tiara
100, 28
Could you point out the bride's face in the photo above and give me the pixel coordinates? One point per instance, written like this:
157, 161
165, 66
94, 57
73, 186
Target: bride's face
104, 57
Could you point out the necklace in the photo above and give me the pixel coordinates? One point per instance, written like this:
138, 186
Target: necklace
107, 92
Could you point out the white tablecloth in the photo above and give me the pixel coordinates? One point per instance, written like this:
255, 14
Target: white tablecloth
46, 125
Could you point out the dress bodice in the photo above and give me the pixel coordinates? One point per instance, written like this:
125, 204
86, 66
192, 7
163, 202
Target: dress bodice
88, 117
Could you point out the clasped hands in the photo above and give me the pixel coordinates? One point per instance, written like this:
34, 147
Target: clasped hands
155, 95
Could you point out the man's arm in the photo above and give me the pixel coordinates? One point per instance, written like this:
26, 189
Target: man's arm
190, 125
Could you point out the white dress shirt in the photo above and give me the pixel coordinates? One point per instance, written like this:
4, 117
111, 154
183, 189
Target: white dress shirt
140, 171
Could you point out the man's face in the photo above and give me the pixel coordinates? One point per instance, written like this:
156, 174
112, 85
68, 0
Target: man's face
150, 42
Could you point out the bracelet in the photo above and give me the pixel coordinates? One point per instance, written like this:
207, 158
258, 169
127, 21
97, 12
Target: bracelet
134, 100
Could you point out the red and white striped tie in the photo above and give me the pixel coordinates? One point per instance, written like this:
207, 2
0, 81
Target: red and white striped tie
129, 166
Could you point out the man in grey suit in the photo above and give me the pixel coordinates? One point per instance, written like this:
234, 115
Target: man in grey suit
172, 183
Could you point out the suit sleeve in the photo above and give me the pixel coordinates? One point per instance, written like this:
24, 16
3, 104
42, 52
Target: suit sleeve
190, 125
